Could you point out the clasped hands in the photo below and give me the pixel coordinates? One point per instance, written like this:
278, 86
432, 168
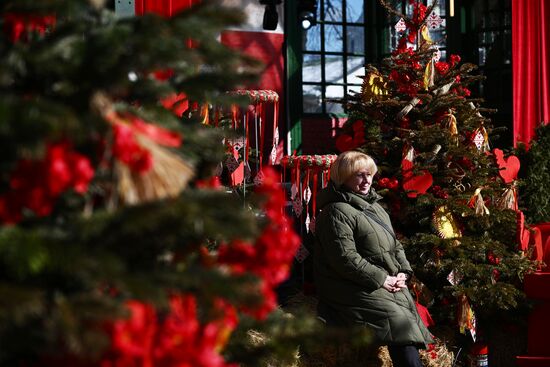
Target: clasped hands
395, 283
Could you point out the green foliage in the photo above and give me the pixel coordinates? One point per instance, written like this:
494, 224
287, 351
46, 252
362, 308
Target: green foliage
65, 273
535, 174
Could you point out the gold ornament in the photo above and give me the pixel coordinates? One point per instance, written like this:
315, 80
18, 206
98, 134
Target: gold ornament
445, 223
374, 86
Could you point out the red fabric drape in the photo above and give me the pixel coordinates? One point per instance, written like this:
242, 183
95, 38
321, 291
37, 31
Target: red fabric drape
531, 66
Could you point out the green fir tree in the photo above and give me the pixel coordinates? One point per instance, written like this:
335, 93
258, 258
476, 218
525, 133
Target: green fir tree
535, 176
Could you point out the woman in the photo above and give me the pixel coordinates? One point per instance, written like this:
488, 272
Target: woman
360, 267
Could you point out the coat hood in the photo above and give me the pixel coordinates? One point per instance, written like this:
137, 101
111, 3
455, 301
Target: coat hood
340, 194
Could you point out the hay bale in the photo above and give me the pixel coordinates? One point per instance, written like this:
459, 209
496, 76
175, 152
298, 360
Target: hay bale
256, 338
437, 355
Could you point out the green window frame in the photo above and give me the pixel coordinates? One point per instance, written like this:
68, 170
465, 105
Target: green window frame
333, 52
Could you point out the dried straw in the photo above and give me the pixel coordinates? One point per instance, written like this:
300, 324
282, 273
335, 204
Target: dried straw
168, 176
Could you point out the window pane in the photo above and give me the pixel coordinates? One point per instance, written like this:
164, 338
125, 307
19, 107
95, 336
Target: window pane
334, 69
334, 91
312, 39
311, 68
356, 40
333, 38
356, 68
354, 11
312, 99
333, 10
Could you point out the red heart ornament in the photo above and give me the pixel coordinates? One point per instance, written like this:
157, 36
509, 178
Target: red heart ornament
344, 143
417, 185
509, 167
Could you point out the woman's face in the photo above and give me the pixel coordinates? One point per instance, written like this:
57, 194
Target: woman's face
360, 182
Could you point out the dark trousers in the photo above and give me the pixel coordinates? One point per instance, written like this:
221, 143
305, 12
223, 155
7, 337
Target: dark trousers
404, 356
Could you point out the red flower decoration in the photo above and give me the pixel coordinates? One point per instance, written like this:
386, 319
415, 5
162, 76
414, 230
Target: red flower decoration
492, 258
454, 59
19, 26
495, 275
127, 150
36, 185
442, 67
179, 340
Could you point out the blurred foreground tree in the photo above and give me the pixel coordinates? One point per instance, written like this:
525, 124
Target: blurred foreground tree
117, 244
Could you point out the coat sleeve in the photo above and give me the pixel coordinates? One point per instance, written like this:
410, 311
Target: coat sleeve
335, 236
404, 266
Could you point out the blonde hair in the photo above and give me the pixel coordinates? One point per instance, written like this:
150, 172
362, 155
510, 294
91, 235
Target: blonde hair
349, 163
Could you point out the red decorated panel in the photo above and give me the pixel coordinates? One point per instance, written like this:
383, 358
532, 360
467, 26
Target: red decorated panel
264, 46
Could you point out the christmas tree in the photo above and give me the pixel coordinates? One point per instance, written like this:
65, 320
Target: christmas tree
452, 198
118, 246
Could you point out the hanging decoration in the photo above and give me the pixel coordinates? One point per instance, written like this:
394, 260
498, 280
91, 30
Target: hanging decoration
253, 120
425, 33
401, 26
434, 21
445, 224
454, 277
145, 165
307, 174
429, 75
476, 202
466, 318
449, 122
508, 199
481, 139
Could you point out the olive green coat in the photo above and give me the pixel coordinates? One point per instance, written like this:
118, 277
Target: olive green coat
353, 255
